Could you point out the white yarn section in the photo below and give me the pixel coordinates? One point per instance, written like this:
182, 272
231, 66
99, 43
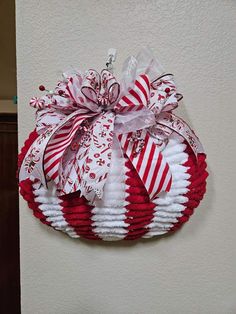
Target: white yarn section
170, 205
51, 208
109, 213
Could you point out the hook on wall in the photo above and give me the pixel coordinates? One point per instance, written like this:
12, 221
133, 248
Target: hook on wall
111, 58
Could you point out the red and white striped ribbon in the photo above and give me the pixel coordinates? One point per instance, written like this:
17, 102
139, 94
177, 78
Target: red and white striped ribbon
137, 98
58, 144
150, 164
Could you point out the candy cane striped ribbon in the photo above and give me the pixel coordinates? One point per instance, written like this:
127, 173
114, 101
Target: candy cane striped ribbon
137, 97
150, 164
58, 144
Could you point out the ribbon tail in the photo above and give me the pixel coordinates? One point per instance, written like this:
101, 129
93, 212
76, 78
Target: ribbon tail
32, 165
149, 162
92, 162
58, 144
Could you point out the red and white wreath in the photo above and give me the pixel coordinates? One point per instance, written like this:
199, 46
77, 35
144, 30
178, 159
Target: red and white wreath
111, 161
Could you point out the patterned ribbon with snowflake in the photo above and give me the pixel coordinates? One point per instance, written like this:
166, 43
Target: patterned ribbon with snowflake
76, 153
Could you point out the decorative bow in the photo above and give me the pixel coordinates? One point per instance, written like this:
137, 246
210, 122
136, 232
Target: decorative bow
76, 154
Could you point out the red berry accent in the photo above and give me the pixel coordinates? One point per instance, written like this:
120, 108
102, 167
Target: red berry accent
167, 90
60, 92
42, 88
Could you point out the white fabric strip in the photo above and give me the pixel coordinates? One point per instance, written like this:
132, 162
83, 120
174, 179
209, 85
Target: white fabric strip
51, 208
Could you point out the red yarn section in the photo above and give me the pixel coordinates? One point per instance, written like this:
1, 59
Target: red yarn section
26, 190
139, 210
77, 212
197, 187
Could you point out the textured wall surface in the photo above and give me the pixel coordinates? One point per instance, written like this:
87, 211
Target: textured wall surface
194, 270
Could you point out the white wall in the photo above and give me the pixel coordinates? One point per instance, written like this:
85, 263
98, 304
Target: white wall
194, 270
